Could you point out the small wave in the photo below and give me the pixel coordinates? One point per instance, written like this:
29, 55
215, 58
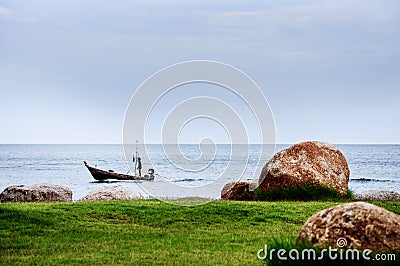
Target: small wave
104, 181
51, 164
362, 179
10, 167
187, 180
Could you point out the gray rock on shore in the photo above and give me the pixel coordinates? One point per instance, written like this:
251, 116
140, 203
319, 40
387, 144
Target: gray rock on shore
306, 163
112, 192
377, 195
42, 192
362, 225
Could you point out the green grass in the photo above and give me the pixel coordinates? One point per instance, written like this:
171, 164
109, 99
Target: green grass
149, 232
303, 193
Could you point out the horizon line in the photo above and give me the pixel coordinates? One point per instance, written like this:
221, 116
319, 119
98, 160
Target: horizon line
282, 143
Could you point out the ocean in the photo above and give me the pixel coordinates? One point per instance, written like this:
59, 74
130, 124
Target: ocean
371, 166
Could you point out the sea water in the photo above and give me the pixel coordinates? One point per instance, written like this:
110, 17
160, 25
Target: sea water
371, 166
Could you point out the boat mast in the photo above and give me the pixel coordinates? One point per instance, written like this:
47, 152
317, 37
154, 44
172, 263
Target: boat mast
136, 157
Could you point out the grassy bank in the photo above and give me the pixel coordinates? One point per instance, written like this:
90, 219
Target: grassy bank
149, 232
303, 193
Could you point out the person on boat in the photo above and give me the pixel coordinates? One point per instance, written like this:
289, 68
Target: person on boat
139, 167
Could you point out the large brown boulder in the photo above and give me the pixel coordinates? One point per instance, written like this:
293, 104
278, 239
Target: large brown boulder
112, 192
306, 163
362, 225
243, 190
43, 192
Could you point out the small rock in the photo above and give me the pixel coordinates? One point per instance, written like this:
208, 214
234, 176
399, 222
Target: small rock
362, 225
377, 195
43, 192
306, 163
112, 192
243, 190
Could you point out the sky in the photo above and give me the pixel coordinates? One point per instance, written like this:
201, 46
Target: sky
330, 70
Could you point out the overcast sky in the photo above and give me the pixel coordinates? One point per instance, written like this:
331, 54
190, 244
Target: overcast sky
329, 69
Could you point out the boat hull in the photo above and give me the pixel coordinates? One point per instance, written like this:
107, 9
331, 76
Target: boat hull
105, 175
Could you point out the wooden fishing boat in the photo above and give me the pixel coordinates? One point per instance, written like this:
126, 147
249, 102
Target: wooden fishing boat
99, 174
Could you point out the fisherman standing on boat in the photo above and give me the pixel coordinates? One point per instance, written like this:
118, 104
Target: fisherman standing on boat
139, 167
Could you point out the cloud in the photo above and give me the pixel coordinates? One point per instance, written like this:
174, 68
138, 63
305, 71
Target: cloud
310, 17
313, 27
30, 19
4, 11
